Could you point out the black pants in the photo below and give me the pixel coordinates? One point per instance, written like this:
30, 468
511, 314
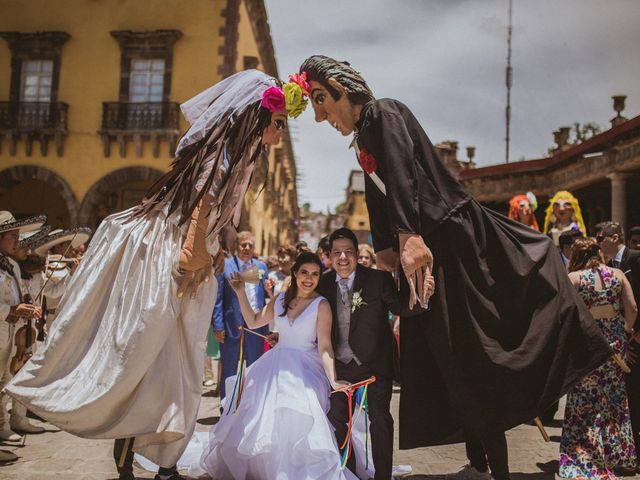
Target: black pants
381, 427
633, 393
127, 467
488, 451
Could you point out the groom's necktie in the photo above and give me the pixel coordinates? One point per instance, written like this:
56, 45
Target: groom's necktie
343, 350
344, 291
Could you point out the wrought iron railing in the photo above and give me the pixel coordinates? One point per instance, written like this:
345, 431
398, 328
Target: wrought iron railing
34, 117
140, 117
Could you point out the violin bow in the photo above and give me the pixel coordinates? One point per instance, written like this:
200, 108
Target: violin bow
51, 272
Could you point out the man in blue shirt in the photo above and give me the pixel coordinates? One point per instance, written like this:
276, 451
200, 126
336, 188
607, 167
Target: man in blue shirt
227, 317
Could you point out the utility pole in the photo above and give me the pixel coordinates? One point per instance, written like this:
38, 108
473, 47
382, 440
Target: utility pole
509, 79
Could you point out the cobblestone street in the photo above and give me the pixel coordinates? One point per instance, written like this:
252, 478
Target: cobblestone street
59, 455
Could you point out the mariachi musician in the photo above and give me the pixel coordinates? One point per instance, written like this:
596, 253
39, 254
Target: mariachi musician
32, 273
56, 249
12, 311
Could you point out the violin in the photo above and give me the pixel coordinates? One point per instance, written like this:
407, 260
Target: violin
58, 262
33, 264
24, 339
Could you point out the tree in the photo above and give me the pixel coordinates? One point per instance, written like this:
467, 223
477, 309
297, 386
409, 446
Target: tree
580, 133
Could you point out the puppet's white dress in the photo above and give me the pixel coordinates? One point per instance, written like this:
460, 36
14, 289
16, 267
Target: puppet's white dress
280, 430
125, 355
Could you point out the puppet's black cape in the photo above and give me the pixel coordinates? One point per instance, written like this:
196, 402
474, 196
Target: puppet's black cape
506, 334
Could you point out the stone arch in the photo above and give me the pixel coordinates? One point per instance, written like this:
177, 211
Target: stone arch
12, 176
92, 208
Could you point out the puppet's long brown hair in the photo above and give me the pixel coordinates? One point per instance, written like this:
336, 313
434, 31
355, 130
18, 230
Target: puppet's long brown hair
237, 134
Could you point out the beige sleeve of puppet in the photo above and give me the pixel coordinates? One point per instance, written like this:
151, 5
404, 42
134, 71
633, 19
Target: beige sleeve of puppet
193, 254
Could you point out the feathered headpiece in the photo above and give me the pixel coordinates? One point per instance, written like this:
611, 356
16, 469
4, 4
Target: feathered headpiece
550, 219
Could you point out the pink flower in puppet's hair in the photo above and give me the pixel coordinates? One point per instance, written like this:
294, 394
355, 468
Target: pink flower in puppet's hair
301, 81
273, 100
368, 162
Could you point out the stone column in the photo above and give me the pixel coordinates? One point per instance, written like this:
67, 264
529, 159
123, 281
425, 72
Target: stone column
619, 198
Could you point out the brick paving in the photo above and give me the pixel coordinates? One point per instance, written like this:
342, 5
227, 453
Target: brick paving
59, 455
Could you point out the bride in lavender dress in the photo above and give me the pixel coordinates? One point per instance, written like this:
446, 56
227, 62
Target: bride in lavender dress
279, 429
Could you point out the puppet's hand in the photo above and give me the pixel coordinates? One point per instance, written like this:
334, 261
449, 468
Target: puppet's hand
195, 261
191, 280
417, 262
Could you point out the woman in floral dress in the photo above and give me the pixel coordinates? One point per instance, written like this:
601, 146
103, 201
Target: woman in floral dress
596, 435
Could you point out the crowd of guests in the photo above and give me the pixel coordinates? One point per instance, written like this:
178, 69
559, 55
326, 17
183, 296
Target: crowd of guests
274, 277
601, 426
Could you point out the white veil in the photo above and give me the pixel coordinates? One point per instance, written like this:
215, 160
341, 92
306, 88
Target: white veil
225, 99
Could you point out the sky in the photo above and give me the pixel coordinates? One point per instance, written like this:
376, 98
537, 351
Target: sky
446, 60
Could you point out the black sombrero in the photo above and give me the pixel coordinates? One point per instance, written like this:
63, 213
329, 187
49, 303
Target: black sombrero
77, 236
29, 239
8, 222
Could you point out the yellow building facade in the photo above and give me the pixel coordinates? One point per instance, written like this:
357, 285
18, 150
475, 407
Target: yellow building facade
89, 103
355, 207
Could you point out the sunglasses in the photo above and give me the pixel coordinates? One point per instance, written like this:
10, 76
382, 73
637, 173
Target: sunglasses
280, 124
600, 238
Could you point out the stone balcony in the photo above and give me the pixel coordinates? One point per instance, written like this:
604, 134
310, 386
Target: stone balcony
139, 122
29, 121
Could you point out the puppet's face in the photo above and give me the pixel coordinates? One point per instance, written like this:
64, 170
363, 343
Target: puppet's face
524, 211
563, 210
273, 133
341, 114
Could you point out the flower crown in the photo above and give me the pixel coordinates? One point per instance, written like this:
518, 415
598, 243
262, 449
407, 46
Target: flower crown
292, 97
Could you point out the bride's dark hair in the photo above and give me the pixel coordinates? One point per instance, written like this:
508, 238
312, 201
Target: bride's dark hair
292, 291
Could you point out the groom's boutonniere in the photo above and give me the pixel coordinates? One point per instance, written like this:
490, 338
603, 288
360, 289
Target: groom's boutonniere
357, 301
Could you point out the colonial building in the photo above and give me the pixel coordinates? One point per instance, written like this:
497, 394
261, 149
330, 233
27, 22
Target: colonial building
89, 103
315, 225
602, 172
355, 209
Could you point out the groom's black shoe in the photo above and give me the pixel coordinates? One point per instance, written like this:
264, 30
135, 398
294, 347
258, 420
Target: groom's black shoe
172, 472
126, 476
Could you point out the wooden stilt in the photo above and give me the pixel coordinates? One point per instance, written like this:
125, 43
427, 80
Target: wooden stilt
123, 454
621, 363
542, 430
